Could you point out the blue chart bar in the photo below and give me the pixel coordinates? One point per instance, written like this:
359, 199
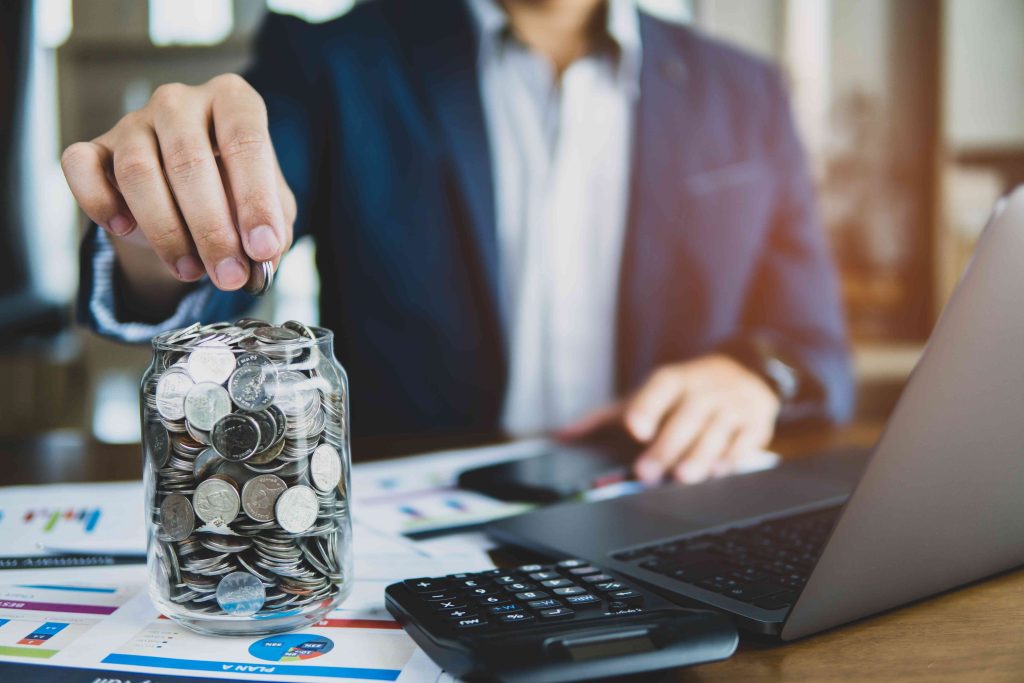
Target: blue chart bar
3, 621
255, 669
77, 589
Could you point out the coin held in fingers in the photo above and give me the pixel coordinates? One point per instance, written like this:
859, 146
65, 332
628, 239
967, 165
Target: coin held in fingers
261, 277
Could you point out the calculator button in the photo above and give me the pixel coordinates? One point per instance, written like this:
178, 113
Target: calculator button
460, 575
505, 608
543, 576
571, 590
531, 568
425, 585
470, 622
489, 600
459, 614
518, 587
610, 586
531, 595
556, 613
556, 583
490, 573
505, 580
627, 596
569, 564
470, 583
581, 571
442, 605
435, 597
546, 603
515, 618
584, 600
480, 592
598, 578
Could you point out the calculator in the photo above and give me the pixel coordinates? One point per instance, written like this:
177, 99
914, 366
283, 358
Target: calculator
565, 621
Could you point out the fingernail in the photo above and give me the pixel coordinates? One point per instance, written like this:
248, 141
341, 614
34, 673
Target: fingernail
649, 471
120, 225
642, 428
691, 475
263, 243
230, 273
189, 268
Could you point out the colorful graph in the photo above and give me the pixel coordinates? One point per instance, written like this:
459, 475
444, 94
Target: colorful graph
48, 519
291, 647
43, 633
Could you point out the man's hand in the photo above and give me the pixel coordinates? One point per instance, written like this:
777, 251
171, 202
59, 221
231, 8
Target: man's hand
696, 419
188, 185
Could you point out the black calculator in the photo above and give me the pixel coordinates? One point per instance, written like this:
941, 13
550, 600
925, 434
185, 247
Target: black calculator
566, 621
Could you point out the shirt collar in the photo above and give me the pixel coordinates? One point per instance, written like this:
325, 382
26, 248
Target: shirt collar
622, 26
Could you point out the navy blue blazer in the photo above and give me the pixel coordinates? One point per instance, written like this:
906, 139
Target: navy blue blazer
378, 125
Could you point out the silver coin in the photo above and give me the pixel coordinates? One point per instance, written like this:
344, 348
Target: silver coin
296, 395
211, 361
275, 335
296, 509
206, 403
253, 358
252, 387
325, 468
158, 444
171, 389
241, 594
236, 437
261, 278
259, 496
216, 501
205, 464
176, 517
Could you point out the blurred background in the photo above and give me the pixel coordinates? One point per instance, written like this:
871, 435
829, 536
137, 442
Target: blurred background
910, 111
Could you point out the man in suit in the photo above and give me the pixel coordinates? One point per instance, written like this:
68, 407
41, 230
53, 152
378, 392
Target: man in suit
529, 215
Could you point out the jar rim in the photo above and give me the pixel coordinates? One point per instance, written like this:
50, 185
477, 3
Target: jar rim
323, 336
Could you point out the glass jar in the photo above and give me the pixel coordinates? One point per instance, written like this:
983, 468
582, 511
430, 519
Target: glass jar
245, 441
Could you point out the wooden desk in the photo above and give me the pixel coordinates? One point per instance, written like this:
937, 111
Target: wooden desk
972, 634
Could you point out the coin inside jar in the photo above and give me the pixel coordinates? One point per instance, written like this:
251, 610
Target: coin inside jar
216, 501
176, 517
252, 387
296, 509
259, 495
206, 403
211, 361
325, 467
241, 594
236, 437
171, 389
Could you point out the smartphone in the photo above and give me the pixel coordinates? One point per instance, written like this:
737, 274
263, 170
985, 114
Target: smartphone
562, 471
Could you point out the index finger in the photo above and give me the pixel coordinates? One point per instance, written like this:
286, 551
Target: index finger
246, 152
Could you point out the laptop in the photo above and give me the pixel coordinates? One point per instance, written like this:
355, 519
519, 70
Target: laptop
822, 541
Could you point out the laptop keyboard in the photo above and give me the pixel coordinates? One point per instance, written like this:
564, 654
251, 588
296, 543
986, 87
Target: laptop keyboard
764, 564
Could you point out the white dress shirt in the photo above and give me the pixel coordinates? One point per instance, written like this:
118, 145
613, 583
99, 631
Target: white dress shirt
560, 154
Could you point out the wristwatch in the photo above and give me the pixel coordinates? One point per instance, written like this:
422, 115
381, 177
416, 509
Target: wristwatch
763, 358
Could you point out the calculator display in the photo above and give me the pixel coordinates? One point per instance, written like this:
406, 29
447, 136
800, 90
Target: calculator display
581, 652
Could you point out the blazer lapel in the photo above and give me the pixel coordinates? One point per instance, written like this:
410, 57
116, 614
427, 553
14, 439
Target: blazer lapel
443, 48
660, 140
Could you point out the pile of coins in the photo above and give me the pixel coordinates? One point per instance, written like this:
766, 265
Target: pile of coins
245, 439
